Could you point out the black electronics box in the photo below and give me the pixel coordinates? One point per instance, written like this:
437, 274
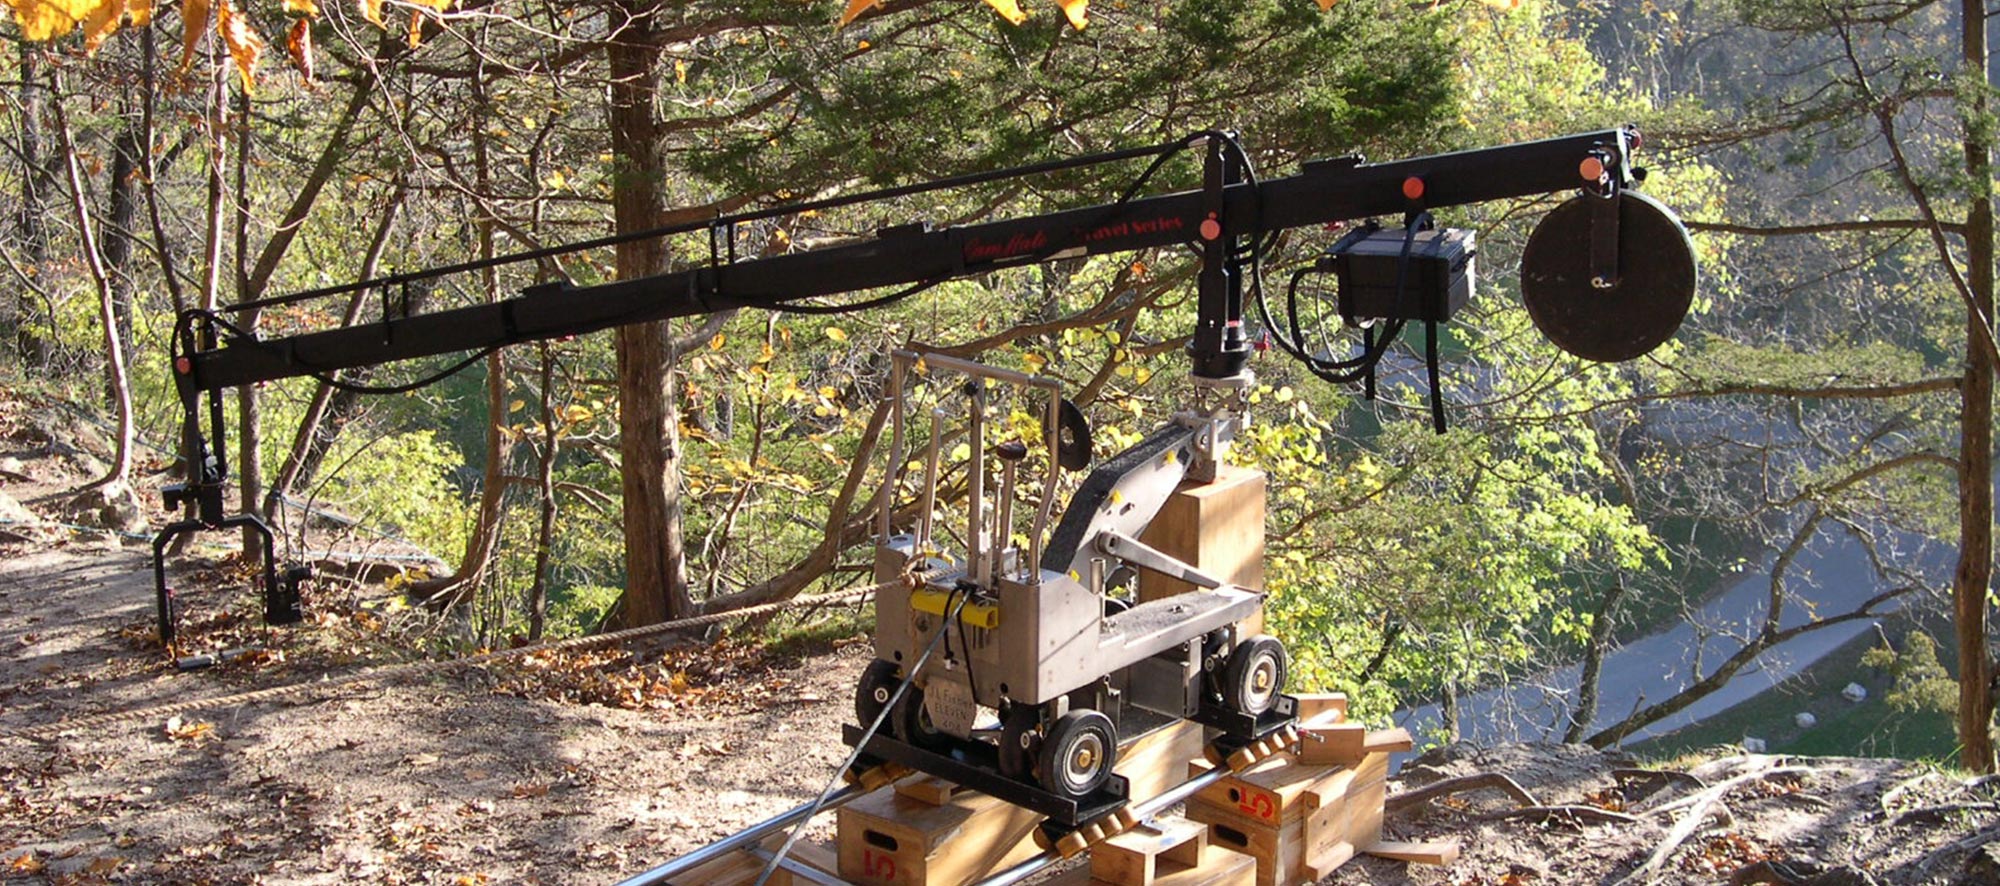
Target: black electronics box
1436, 284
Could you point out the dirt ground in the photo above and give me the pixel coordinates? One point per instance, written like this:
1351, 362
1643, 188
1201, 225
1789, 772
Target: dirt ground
590, 767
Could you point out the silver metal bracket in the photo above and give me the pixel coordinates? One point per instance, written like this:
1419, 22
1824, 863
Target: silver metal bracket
1144, 556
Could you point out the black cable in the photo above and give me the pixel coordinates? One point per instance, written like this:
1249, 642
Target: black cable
1164, 149
899, 295
1431, 365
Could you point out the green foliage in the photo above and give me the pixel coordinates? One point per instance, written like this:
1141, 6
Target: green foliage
1921, 683
401, 482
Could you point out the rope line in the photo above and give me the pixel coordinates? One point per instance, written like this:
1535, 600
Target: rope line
389, 674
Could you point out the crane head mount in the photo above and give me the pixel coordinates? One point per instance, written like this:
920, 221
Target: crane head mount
1608, 275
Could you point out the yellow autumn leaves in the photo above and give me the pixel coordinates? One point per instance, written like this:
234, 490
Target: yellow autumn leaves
1010, 10
42, 20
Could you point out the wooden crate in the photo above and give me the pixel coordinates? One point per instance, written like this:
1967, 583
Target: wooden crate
903, 836
1272, 791
1216, 527
1299, 824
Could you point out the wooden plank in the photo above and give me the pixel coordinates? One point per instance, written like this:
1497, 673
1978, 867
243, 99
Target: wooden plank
1329, 859
1416, 853
1388, 741
1151, 763
1217, 527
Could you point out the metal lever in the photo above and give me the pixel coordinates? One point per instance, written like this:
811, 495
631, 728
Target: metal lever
1147, 557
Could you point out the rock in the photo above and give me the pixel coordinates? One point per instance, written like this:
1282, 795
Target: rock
12, 511
1844, 875
1753, 745
112, 506
1854, 692
85, 464
1981, 868
1805, 719
13, 469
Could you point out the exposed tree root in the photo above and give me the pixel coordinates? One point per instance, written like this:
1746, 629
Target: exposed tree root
1459, 785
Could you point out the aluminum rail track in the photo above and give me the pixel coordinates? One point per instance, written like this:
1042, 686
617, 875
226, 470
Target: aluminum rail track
741, 839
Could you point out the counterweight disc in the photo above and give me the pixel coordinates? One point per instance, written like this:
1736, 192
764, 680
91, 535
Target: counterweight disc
1656, 280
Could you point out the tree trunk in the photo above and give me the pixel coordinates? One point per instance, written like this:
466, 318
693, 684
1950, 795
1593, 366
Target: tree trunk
648, 426
1593, 664
124, 200
114, 357
33, 348
545, 488
249, 412
1975, 442
457, 589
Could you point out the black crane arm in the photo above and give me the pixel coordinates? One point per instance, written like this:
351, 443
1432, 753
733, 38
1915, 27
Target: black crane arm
1323, 192
1576, 296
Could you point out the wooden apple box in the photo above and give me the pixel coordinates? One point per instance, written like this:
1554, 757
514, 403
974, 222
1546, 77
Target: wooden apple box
924, 831
1299, 820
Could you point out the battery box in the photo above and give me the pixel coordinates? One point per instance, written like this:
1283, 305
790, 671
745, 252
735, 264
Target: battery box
1437, 283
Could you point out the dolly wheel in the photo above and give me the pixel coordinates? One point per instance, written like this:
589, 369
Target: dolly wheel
1255, 675
1078, 754
872, 694
913, 723
1020, 741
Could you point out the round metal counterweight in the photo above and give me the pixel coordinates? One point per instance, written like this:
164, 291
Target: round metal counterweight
1634, 314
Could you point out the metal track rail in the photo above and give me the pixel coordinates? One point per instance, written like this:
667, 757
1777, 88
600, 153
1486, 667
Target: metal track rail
745, 838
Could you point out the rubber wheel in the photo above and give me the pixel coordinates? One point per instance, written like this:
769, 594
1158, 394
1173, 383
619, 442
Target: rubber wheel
1254, 676
913, 723
1020, 741
1078, 753
872, 694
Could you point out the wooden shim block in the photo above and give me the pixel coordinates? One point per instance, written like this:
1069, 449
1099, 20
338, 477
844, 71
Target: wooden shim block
929, 789
1417, 853
1131, 858
1313, 704
1395, 740
1323, 742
